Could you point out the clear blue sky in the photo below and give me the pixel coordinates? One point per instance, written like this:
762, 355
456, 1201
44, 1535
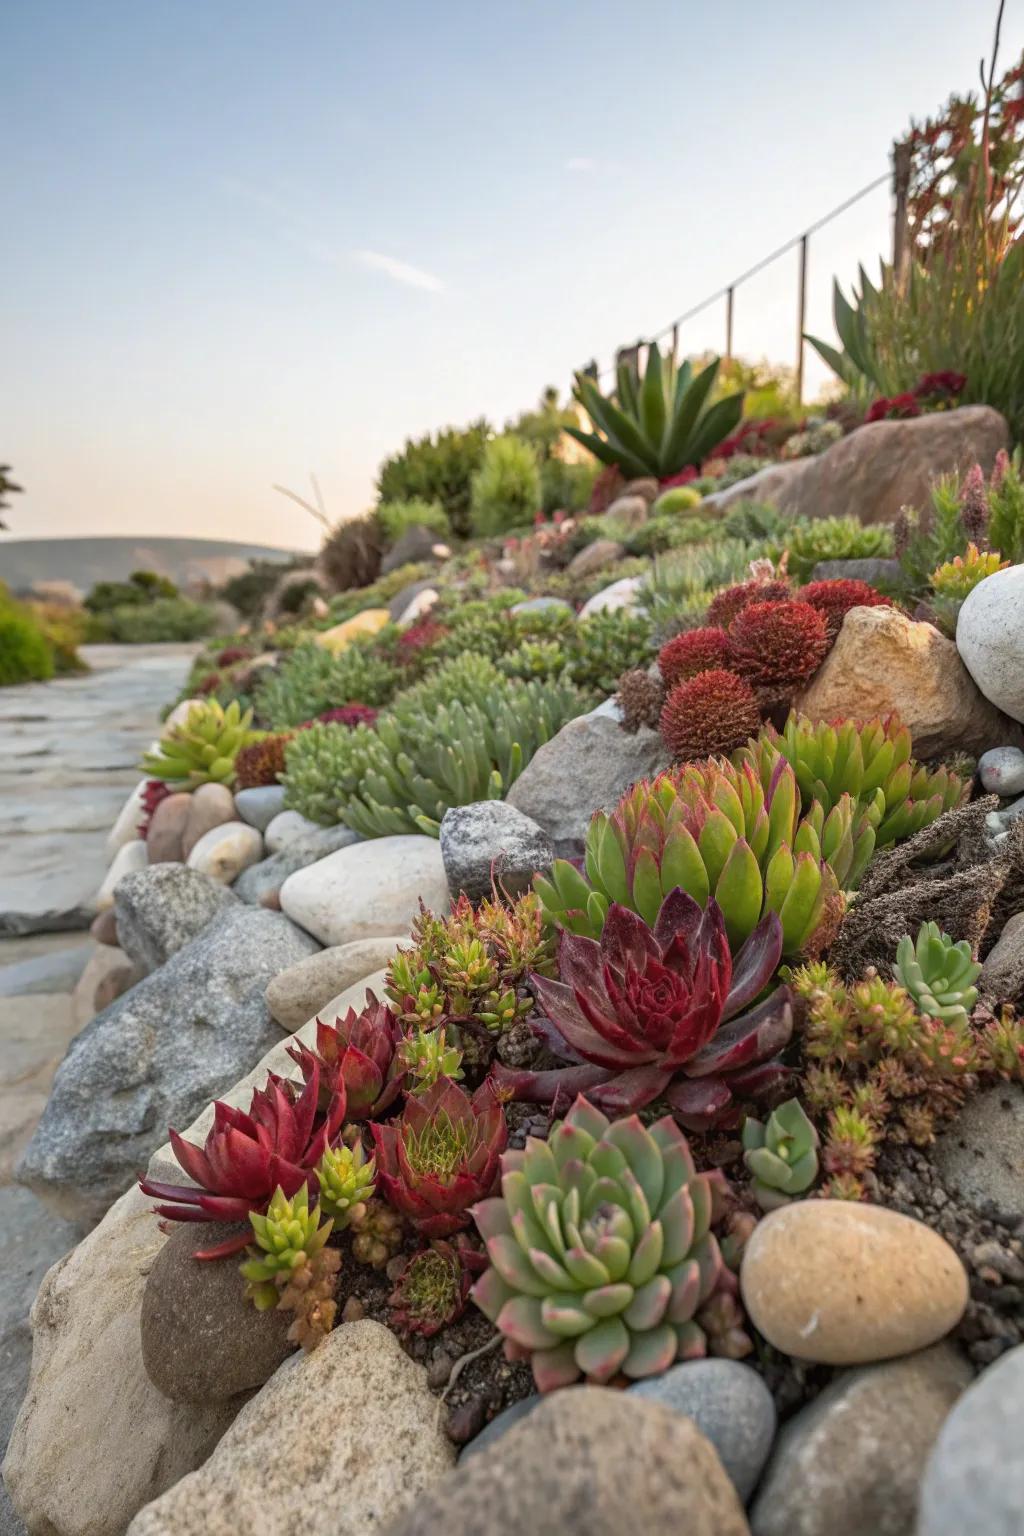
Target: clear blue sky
244, 241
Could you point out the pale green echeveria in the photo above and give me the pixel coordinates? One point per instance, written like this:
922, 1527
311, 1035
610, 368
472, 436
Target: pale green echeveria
781, 1154
938, 974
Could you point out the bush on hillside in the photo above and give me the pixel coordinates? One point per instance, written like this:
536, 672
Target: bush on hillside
397, 517
351, 554
25, 654
506, 487
141, 587
437, 470
163, 620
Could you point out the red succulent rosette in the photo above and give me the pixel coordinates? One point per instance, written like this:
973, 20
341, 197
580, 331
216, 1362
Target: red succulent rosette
358, 1056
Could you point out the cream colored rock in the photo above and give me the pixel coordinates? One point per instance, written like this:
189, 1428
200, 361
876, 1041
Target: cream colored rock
307, 988
340, 637
367, 889
126, 827
842, 1283
212, 806
286, 827
108, 973
885, 663
224, 851
128, 858
179, 714
95, 1440
338, 1443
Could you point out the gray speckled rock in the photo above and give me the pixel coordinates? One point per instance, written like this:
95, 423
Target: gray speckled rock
540, 605
730, 1404
156, 1057
588, 1461
259, 805
585, 768
491, 841
268, 876
160, 909
1001, 771
1002, 975
851, 1461
981, 1156
974, 1480
500, 1425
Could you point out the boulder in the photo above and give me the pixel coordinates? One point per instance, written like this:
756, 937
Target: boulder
883, 663
212, 805
974, 1480
841, 1283
980, 1156
338, 1443
95, 1440
588, 1461
990, 639
157, 1056
622, 594
166, 833
304, 989
730, 1405
367, 890
202, 1341
879, 468
594, 557
266, 878
587, 767
160, 909
413, 547
224, 851
128, 858
851, 1461
627, 512
259, 805
490, 841
108, 974
875, 570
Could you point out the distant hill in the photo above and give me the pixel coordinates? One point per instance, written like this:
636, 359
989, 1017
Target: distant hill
188, 562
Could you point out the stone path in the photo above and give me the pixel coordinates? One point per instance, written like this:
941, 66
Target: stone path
68, 755
68, 751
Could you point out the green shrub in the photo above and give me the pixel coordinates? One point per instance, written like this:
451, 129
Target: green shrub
753, 521
506, 488
25, 654
160, 620
437, 469
809, 540
566, 487
249, 590
351, 554
310, 681
141, 587
397, 517
607, 644
681, 584
668, 532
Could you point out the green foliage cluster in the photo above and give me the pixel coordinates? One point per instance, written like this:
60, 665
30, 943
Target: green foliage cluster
310, 681
565, 487
25, 654
437, 469
141, 587
809, 540
505, 491
154, 622
397, 517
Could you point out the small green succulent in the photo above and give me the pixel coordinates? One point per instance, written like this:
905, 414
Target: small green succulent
345, 1175
938, 974
203, 747
781, 1153
428, 1056
288, 1237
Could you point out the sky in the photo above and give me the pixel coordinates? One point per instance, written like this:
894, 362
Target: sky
245, 242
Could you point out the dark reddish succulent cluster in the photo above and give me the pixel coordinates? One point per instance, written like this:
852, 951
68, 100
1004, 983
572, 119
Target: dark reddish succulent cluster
932, 392
433, 1288
417, 638
209, 684
233, 654
709, 715
725, 605
776, 646
153, 791
835, 599
345, 714
358, 1056
262, 762
697, 650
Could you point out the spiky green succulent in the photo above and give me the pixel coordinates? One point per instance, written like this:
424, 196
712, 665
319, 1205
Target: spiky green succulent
781, 1154
288, 1237
203, 747
872, 763
714, 830
601, 1250
938, 974
345, 1175
428, 1056
310, 680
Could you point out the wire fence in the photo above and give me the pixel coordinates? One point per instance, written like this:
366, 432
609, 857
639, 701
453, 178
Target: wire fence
630, 355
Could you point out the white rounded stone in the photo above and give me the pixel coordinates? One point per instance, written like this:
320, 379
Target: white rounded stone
286, 827
990, 639
129, 857
126, 827
224, 851
368, 889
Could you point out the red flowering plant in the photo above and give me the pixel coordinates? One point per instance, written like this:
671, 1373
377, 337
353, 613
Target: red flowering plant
894, 407
940, 391
648, 1013
358, 1056
441, 1155
246, 1157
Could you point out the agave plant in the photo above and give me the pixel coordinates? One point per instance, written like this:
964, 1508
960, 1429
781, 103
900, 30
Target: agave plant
716, 830
938, 974
203, 747
659, 1013
660, 424
246, 1157
441, 1155
781, 1154
871, 763
601, 1250
360, 1055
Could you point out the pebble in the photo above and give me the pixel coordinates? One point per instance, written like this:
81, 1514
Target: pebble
126, 826
1002, 975
165, 837
841, 1283
104, 927
260, 805
299, 993
974, 1480
1001, 770
286, 827
212, 806
226, 850
369, 889
730, 1404
128, 858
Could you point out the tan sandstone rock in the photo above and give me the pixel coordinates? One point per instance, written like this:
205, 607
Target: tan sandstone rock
311, 985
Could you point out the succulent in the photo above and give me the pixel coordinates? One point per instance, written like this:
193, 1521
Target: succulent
262, 762
600, 1250
531, 659
659, 1012
247, 1156
714, 830
808, 541
310, 680
433, 1289
203, 748
640, 698
834, 599
359, 1056
345, 1176
658, 425
441, 1155
377, 1233
938, 974
777, 646
287, 1237
600, 648
954, 581
428, 1056
725, 605
696, 650
781, 1154
872, 763
708, 715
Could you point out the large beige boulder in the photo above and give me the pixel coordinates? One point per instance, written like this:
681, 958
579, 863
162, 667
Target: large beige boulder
879, 468
95, 1440
338, 1443
884, 663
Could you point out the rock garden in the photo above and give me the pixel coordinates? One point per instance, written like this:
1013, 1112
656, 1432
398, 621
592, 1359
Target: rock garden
554, 1059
